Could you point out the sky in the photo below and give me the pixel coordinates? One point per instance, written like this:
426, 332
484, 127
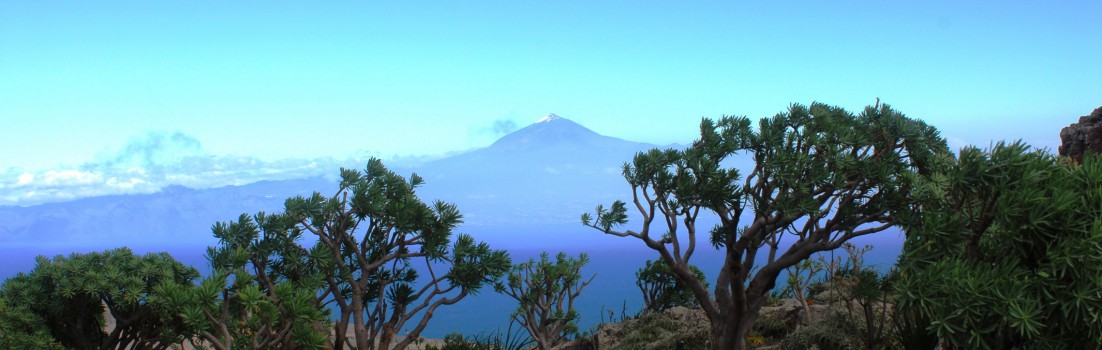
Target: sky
112, 97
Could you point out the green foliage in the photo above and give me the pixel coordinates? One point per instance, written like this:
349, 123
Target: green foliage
546, 291
821, 176
270, 291
1008, 251
863, 298
61, 303
800, 276
22, 329
657, 331
909, 330
771, 327
493, 341
261, 293
834, 332
661, 289
862, 295
817, 287
378, 238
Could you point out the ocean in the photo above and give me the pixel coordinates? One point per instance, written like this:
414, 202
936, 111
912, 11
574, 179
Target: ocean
611, 295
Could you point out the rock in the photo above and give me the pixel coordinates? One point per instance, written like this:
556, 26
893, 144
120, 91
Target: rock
1084, 136
674, 327
609, 334
791, 314
836, 290
788, 312
688, 317
818, 312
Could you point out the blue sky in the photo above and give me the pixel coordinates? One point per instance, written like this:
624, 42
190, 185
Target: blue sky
119, 97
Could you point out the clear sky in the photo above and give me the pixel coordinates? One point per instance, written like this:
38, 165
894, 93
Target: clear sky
104, 97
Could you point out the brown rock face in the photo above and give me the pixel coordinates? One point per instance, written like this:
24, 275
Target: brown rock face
1084, 136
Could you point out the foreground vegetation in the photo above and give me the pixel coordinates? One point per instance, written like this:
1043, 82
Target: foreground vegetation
821, 177
1003, 251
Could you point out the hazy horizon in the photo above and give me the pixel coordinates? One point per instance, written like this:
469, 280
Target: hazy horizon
128, 97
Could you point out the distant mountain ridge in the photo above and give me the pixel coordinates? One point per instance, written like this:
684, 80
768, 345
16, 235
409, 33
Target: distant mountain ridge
555, 131
548, 172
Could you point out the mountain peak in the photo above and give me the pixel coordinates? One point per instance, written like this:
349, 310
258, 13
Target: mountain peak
555, 132
549, 118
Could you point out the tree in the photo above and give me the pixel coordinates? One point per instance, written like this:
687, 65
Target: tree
1007, 252
800, 277
22, 329
372, 229
263, 291
821, 177
546, 292
661, 289
67, 298
869, 290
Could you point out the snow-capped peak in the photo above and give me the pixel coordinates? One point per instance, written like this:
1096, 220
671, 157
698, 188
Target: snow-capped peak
549, 117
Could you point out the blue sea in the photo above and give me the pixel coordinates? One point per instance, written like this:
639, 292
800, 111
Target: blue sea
613, 260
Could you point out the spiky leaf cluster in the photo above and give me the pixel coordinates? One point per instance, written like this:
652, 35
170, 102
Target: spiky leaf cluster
262, 290
67, 297
820, 177
546, 291
383, 247
661, 289
1008, 252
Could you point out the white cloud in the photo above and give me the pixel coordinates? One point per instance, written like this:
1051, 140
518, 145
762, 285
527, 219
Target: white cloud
25, 178
54, 178
147, 164
157, 160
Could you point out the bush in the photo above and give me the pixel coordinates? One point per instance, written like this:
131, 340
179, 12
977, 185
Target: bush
1007, 251
771, 327
834, 332
546, 291
495, 341
661, 289
821, 177
657, 331
66, 298
909, 330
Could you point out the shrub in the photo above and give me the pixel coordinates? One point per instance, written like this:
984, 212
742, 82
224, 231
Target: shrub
1008, 251
833, 332
546, 292
661, 289
66, 298
657, 331
821, 176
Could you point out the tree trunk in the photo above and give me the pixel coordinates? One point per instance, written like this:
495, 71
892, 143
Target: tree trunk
726, 336
386, 337
358, 322
730, 331
800, 297
340, 331
720, 339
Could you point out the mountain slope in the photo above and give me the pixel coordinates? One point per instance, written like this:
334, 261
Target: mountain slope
176, 215
546, 173
558, 134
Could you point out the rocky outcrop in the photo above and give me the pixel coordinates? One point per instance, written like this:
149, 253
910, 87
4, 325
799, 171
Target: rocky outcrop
1084, 136
791, 314
654, 331
680, 326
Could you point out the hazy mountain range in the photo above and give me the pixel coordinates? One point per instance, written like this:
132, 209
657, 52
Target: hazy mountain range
547, 173
524, 193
